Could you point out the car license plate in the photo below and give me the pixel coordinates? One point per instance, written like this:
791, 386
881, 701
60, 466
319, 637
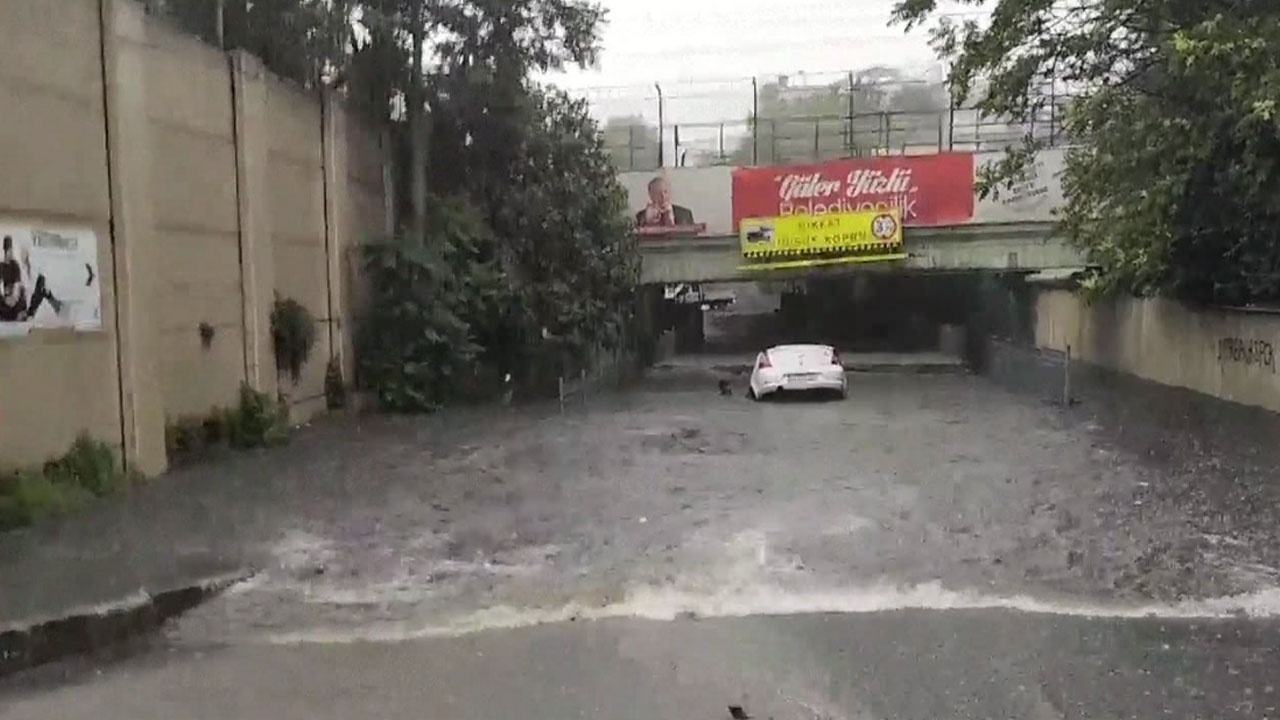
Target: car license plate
802, 377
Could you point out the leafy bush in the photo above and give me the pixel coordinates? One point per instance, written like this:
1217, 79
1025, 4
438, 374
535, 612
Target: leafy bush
335, 389
428, 298
257, 420
293, 335
183, 437
87, 470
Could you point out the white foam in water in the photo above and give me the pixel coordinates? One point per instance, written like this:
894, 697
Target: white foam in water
739, 581
665, 604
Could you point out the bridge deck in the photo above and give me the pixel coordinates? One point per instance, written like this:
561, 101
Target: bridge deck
1013, 246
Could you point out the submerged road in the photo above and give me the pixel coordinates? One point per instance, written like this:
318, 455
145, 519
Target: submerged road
933, 547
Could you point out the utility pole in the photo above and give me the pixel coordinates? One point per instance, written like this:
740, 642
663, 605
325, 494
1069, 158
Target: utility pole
220, 24
417, 128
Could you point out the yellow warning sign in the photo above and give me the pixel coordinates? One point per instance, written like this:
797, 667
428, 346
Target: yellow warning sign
871, 232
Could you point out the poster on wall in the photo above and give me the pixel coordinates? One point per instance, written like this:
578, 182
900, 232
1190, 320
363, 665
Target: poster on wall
48, 279
680, 202
926, 190
810, 240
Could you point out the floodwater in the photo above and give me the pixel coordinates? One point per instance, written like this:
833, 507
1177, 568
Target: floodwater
934, 546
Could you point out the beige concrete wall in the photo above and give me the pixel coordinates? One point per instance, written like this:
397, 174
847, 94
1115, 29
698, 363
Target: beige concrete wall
1227, 354
361, 217
53, 150
296, 173
197, 234
211, 186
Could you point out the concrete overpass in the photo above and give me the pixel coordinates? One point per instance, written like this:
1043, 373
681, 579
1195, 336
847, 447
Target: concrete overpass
1029, 246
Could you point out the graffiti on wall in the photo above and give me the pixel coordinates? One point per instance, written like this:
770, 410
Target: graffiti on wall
1256, 353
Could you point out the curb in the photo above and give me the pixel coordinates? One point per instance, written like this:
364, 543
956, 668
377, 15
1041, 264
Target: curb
910, 369
25, 645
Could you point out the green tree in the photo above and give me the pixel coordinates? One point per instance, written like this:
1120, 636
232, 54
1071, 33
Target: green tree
517, 254
1172, 186
301, 40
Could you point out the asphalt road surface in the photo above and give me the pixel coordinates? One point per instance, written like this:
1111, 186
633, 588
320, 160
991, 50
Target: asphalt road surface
933, 547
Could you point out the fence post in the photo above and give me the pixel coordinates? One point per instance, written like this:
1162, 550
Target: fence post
661, 127
560, 391
631, 147
755, 122
1066, 379
582, 387
951, 113
849, 139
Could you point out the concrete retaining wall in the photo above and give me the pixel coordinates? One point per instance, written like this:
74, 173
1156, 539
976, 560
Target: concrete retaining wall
211, 186
1223, 353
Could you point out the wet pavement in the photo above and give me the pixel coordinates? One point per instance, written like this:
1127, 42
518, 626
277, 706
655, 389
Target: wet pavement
932, 547
899, 664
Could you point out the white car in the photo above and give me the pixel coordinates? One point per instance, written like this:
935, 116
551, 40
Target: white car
798, 367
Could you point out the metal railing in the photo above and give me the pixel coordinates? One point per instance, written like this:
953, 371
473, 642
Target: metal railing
781, 122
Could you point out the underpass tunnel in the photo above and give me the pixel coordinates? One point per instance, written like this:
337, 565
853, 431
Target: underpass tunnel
858, 313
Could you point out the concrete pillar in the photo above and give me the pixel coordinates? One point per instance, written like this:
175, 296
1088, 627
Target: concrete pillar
257, 263
648, 305
689, 328
951, 340
133, 236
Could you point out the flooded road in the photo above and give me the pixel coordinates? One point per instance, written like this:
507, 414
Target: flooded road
893, 665
919, 490
931, 547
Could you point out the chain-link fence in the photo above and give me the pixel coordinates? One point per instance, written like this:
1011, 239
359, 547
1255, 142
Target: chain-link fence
804, 117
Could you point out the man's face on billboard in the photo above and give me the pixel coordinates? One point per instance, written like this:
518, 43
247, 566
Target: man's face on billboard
659, 193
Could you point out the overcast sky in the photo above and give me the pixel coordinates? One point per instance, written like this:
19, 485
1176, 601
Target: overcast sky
704, 52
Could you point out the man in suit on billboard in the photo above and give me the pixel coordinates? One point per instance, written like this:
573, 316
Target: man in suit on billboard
661, 211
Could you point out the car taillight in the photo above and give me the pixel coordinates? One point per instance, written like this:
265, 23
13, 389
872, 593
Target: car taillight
835, 359
764, 361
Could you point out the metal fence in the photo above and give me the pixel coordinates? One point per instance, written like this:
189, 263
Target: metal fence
807, 117
609, 371
1042, 372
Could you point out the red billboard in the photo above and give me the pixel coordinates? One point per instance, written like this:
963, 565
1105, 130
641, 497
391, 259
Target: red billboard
929, 189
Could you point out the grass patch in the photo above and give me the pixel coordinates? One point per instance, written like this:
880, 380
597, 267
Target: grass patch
90, 469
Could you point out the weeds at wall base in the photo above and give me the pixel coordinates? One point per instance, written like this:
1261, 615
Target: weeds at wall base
256, 421
90, 469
